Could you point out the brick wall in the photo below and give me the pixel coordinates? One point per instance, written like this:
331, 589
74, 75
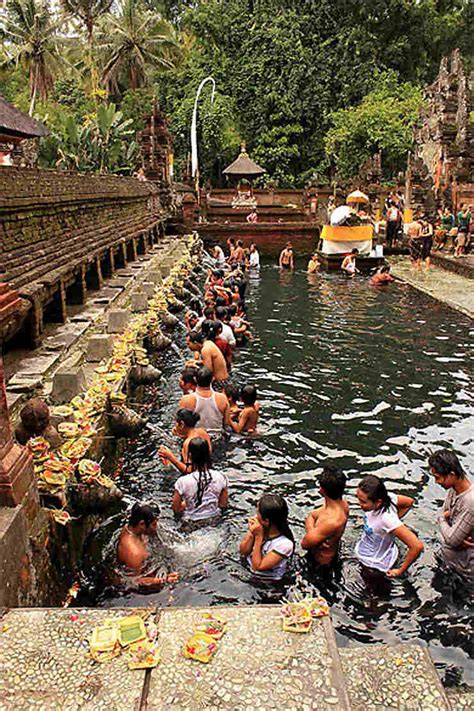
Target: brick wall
50, 219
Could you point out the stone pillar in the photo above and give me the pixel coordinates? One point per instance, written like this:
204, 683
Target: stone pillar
17, 484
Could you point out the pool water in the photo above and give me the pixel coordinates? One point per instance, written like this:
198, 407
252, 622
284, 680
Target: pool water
369, 379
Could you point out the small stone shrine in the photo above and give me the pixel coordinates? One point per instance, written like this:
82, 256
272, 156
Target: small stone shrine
156, 151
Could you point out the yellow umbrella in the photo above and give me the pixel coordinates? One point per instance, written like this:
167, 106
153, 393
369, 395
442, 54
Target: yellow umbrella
356, 197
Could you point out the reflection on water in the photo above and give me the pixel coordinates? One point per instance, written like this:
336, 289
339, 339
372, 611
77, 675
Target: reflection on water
370, 380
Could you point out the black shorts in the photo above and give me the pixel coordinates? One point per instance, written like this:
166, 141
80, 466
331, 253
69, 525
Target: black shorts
426, 247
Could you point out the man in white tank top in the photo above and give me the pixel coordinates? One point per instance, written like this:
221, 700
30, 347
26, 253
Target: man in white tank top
212, 407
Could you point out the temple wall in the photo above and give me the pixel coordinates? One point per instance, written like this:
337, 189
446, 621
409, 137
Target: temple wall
61, 231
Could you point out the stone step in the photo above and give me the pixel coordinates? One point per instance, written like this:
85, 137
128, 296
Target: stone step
401, 677
257, 665
461, 699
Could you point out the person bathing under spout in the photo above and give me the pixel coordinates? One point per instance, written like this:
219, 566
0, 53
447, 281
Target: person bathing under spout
202, 494
185, 427
326, 525
132, 548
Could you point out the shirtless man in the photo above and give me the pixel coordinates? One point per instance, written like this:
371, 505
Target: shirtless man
415, 243
325, 526
286, 260
132, 548
212, 356
212, 408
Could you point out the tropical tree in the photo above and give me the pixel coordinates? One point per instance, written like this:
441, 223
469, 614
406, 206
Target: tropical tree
132, 44
87, 12
103, 143
31, 41
382, 122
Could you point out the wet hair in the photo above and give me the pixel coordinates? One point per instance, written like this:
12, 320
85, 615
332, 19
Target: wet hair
385, 269
240, 243
355, 251
273, 507
232, 391
220, 301
210, 329
232, 310
195, 305
143, 512
187, 417
204, 377
375, 490
333, 481
188, 375
445, 462
200, 459
195, 337
221, 313
248, 394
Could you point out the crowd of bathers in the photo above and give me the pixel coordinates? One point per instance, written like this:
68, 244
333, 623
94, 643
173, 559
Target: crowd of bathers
212, 404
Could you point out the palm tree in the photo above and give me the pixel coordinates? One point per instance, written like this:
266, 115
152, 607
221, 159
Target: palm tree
87, 11
31, 41
133, 42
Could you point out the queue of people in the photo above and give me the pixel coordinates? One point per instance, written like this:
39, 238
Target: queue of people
212, 404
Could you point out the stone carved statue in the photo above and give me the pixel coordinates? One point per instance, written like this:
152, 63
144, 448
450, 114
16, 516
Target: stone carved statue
35, 422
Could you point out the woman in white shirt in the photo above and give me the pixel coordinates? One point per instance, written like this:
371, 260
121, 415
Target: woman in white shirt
382, 525
202, 494
254, 257
269, 543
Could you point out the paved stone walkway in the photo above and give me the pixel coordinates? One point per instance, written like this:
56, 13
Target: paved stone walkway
44, 666
452, 289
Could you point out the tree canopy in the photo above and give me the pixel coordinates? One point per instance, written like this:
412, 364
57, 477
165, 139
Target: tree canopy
307, 85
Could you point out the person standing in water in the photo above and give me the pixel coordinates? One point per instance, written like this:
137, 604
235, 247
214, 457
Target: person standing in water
132, 548
254, 257
212, 407
248, 416
456, 522
286, 260
212, 356
269, 543
185, 427
348, 265
201, 494
313, 264
326, 525
382, 525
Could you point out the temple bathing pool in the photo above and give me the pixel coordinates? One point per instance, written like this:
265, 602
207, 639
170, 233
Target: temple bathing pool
367, 379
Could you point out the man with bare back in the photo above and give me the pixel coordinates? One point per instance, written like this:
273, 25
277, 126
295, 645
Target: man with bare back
325, 525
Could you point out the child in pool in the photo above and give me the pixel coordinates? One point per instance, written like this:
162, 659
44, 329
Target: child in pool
269, 543
248, 417
233, 395
383, 511
240, 327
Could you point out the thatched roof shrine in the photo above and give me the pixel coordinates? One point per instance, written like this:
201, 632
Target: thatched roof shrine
244, 166
16, 125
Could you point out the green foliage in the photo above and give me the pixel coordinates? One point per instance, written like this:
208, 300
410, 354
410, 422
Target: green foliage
284, 70
30, 34
102, 143
383, 121
132, 44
